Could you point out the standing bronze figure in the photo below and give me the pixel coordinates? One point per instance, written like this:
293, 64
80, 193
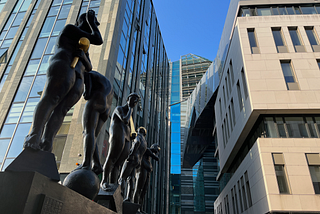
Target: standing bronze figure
120, 141
143, 176
139, 147
65, 84
99, 93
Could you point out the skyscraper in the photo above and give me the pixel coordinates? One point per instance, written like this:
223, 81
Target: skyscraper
185, 74
267, 108
132, 57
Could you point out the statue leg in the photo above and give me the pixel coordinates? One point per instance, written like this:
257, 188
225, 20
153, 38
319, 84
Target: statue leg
142, 176
131, 182
56, 119
114, 153
89, 123
56, 89
123, 156
144, 190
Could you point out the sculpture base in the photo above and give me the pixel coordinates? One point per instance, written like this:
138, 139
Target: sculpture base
111, 199
31, 192
129, 207
30, 160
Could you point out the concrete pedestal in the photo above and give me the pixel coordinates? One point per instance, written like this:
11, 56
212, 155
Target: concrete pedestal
33, 193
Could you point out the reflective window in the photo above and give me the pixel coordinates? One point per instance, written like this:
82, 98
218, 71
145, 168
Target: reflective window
314, 168
64, 11
295, 36
313, 38
32, 67
296, 127
252, 40
58, 27
277, 35
23, 89
44, 64
17, 142
53, 11
18, 19
47, 27
281, 173
290, 10
7, 130
28, 110
51, 45
289, 75
283, 11
264, 11
308, 10
3, 148
14, 113
39, 48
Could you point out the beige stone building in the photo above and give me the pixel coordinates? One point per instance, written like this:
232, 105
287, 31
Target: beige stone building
268, 108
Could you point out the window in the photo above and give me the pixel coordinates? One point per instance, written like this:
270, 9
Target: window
318, 62
248, 191
236, 198
264, 12
281, 174
226, 83
233, 113
244, 83
231, 123
240, 199
224, 95
296, 39
289, 75
233, 203
296, 127
314, 168
313, 38
243, 194
253, 41
241, 106
231, 72
278, 40
220, 108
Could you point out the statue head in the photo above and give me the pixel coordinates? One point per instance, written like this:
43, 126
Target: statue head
155, 148
83, 21
133, 99
142, 131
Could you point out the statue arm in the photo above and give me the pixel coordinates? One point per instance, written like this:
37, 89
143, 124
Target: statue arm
151, 154
135, 145
95, 37
124, 118
84, 58
88, 85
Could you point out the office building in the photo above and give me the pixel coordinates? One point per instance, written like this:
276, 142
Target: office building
132, 57
267, 108
187, 185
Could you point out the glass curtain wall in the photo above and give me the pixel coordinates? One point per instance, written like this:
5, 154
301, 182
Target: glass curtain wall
175, 167
19, 119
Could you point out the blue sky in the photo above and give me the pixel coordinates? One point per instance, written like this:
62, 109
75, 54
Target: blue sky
191, 26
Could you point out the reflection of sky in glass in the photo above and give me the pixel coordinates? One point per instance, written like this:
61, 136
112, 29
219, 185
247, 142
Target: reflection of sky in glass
175, 120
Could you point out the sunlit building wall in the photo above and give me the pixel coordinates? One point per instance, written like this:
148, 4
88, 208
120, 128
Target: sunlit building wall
132, 57
267, 108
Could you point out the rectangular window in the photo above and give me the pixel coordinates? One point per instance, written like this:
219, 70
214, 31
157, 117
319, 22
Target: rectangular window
240, 199
248, 191
278, 40
314, 168
296, 39
224, 96
289, 75
311, 127
220, 108
318, 62
227, 126
313, 38
244, 83
231, 123
296, 127
233, 203
228, 77
223, 135
264, 11
227, 205
281, 174
226, 83
233, 113
231, 72
236, 198
243, 194
253, 41
241, 106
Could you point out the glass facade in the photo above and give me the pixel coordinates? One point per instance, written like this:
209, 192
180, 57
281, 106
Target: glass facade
134, 61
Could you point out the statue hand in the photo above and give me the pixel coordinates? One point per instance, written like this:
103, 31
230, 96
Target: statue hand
91, 16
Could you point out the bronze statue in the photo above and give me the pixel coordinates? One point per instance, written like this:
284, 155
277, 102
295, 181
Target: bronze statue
64, 83
99, 93
120, 140
139, 147
143, 176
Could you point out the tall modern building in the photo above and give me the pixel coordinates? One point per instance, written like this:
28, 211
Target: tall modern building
186, 184
267, 108
132, 57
